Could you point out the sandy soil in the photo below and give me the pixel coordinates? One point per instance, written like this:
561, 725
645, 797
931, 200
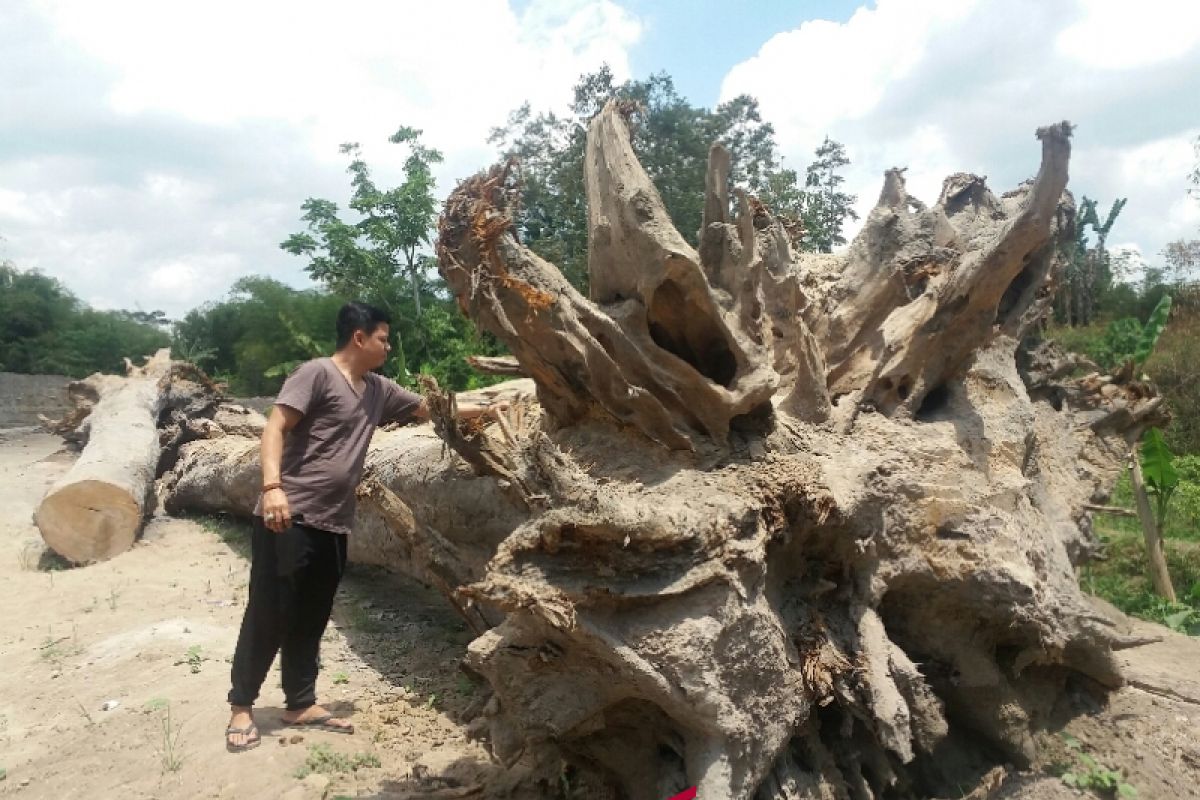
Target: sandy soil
113, 676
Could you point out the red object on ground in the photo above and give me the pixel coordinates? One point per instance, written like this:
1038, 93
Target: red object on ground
690, 794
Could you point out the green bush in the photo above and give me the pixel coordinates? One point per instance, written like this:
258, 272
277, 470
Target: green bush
1187, 497
1173, 368
1121, 578
1119, 343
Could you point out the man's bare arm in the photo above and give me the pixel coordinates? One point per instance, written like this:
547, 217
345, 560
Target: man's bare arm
276, 513
465, 410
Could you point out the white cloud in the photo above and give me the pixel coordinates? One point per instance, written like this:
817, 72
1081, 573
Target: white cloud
353, 69
162, 149
1161, 162
202, 276
14, 207
1153, 177
823, 72
1117, 34
943, 86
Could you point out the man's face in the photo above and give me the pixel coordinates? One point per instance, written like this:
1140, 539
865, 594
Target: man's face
376, 345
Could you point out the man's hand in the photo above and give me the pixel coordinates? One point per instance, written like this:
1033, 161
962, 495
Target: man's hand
276, 514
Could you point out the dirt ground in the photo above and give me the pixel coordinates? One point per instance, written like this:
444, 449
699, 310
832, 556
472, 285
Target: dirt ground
113, 678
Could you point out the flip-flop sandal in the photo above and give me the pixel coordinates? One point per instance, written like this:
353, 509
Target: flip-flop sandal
249, 744
323, 722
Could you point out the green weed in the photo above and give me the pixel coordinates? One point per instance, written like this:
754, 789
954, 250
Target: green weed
194, 658
57, 650
50, 561
170, 756
1087, 773
323, 760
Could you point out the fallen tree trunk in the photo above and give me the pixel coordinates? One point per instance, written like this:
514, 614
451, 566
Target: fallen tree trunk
220, 473
96, 510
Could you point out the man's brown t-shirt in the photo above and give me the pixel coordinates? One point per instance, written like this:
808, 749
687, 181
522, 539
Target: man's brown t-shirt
323, 454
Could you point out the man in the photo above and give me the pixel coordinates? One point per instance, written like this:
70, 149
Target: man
313, 449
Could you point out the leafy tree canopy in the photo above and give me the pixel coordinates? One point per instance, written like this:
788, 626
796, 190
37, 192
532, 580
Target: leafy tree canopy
46, 329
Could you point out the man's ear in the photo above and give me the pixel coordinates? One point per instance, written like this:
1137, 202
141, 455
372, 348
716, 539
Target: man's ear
359, 339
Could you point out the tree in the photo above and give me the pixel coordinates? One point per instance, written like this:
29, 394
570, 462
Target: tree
250, 339
1173, 370
1183, 262
1089, 273
254, 337
367, 258
824, 206
31, 306
399, 220
379, 259
548, 154
44, 328
1153, 474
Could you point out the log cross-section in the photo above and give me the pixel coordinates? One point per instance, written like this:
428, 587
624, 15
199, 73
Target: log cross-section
96, 510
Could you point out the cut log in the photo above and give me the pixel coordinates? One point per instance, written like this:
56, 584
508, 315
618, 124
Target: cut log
96, 510
1115, 511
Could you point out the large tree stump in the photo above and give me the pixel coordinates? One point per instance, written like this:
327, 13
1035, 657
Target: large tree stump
794, 526
96, 510
780, 526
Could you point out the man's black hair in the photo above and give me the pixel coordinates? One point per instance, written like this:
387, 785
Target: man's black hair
356, 316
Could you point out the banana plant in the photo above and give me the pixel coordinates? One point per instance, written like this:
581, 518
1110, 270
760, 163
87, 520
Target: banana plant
1158, 469
1152, 330
1151, 470
302, 341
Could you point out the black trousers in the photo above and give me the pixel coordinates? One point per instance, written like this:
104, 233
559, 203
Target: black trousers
293, 577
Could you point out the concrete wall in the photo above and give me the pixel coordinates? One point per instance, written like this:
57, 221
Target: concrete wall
23, 397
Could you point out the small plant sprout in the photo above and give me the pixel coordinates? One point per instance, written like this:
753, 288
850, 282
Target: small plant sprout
170, 757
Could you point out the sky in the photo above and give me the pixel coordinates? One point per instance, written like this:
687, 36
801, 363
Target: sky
151, 153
